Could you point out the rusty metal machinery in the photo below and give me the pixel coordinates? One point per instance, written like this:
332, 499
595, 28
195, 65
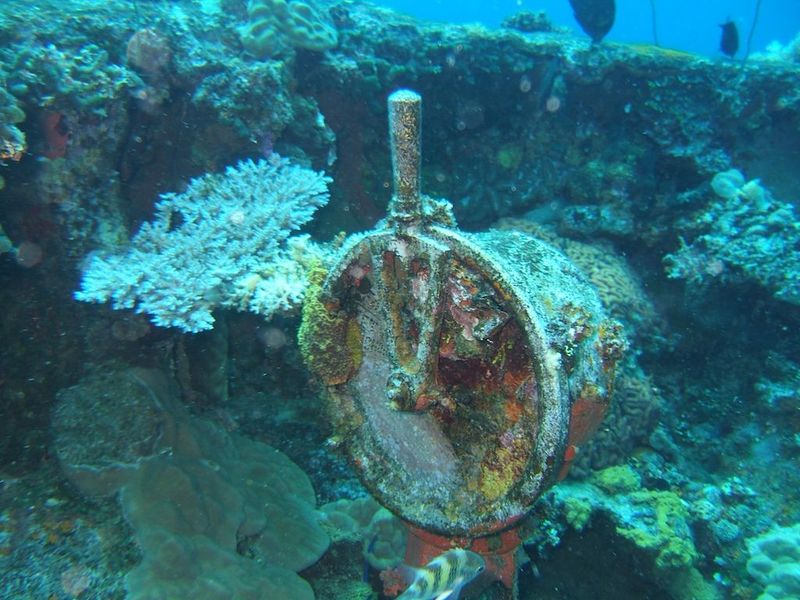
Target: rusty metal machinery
462, 369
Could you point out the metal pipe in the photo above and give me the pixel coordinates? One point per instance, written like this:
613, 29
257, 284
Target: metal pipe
405, 120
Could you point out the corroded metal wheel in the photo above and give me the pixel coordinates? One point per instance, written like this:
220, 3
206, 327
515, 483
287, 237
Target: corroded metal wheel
462, 370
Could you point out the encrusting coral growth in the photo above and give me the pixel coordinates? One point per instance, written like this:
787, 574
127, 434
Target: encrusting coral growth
656, 522
745, 233
224, 242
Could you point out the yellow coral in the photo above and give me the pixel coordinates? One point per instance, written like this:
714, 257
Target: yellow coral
619, 479
325, 332
501, 471
578, 512
668, 534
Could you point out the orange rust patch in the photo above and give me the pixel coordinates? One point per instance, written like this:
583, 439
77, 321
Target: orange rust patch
514, 410
512, 380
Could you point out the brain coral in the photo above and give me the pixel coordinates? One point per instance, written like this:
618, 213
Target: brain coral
621, 291
629, 422
276, 26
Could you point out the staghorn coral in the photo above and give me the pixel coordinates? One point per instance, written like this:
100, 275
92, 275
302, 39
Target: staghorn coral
223, 242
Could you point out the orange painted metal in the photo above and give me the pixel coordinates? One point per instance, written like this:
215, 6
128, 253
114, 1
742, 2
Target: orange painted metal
498, 550
585, 417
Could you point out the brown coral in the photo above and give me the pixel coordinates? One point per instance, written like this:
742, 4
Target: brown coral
149, 53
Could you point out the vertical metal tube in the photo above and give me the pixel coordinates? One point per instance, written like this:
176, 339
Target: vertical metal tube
405, 116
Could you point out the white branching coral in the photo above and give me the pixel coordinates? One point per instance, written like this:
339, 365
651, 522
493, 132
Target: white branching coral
224, 242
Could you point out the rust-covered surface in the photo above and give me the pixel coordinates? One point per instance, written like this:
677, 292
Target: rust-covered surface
462, 370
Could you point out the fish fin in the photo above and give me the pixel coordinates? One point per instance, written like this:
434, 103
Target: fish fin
453, 594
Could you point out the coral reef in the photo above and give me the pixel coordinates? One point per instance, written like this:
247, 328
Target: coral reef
745, 233
382, 535
778, 388
74, 96
223, 242
277, 26
528, 22
12, 140
609, 152
775, 562
631, 420
656, 523
214, 514
5, 243
789, 52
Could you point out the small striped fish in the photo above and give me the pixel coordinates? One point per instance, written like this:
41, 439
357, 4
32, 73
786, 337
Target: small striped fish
444, 576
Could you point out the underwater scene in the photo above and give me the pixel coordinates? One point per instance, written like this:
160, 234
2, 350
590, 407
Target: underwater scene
341, 300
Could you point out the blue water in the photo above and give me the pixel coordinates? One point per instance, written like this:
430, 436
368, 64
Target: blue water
690, 25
